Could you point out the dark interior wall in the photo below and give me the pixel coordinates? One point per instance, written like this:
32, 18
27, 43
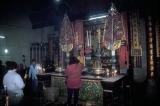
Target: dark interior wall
48, 12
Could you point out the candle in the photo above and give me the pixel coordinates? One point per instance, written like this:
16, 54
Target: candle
77, 41
103, 36
107, 71
87, 40
77, 38
104, 31
99, 32
90, 39
112, 73
115, 72
84, 61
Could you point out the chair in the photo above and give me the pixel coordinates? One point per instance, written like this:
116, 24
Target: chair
111, 96
51, 93
112, 90
127, 90
47, 89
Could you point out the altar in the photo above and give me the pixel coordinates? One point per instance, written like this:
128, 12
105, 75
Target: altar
91, 90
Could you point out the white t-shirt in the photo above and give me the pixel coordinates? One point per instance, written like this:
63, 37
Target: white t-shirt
14, 83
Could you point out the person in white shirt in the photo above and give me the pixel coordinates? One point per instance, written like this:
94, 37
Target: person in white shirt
33, 71
14, 84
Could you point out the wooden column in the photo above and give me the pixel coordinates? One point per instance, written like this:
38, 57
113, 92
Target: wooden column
150, 48
157, 28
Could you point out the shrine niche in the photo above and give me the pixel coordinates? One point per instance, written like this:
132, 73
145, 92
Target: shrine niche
106, 42
100, 44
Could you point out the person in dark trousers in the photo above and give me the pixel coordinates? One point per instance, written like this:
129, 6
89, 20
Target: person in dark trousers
14, 84
33, 71
73, 80
2, 72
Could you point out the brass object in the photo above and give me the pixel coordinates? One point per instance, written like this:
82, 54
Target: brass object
67, 47
116, 45
98, 71
59, 69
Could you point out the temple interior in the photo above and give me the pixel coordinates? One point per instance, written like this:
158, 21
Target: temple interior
117, 42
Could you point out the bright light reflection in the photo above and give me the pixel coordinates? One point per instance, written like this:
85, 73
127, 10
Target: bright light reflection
97, 17
57, 0
2, 37
5, 51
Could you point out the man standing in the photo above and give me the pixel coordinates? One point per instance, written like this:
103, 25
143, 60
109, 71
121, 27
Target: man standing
33, 71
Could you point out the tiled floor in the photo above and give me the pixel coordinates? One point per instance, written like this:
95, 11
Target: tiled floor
143, 94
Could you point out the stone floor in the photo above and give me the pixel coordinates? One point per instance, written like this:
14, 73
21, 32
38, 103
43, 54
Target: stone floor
143, 94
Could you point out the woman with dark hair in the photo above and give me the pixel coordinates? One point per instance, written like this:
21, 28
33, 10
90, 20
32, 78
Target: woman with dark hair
73, 80
14, 84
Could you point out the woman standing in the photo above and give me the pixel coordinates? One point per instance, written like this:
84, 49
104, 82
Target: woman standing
73, 80
13, 84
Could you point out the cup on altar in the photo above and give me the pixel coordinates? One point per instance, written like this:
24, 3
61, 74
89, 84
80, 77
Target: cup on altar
115, 72
107, 71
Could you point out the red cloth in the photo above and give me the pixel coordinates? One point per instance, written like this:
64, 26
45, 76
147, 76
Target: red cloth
79, 29
73, 73
123, 57
123, 50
